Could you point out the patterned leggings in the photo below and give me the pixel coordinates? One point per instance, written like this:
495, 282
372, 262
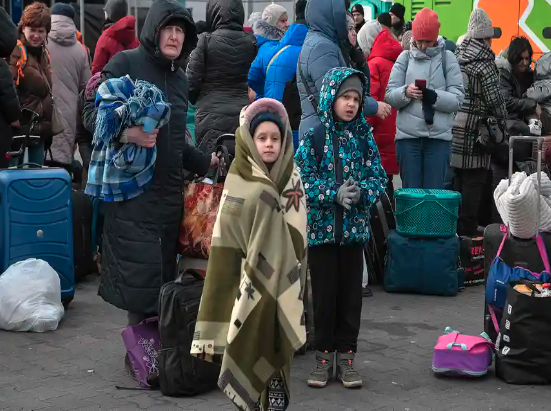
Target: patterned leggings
277, 399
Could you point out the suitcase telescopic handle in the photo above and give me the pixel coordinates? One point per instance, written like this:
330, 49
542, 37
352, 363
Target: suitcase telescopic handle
539, 141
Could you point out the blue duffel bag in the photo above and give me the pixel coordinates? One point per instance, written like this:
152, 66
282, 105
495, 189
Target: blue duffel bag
422, 265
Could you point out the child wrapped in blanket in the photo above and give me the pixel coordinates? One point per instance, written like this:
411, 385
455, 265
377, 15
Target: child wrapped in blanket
541, 93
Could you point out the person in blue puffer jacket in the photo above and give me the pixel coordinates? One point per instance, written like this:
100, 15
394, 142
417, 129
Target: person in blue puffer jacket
273, 73
268, 30
322, 51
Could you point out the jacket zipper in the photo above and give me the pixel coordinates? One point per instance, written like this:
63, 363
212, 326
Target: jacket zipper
168, 124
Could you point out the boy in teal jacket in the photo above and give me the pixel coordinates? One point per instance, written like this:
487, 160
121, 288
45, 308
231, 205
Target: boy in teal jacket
340, 190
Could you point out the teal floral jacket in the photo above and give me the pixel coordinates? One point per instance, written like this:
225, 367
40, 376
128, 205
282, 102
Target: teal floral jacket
328, 222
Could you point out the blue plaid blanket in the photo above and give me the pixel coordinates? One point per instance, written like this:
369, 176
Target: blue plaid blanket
119, 173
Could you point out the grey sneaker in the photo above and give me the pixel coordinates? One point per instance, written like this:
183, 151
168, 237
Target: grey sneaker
346, 372
324, 369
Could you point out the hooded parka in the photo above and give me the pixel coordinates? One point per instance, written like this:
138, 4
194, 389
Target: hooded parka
322, 52
70, 72
9, 103
116, 37
140, 238
384, 53
217, 72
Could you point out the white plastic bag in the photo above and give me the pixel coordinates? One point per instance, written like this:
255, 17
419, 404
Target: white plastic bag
30, 297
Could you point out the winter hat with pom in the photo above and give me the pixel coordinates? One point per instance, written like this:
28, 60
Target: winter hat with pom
406, 40
272, 13
426, 25
480, 25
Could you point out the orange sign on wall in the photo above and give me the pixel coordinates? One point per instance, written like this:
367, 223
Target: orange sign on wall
525, 18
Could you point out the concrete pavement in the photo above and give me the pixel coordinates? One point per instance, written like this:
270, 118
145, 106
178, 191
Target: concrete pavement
78, 366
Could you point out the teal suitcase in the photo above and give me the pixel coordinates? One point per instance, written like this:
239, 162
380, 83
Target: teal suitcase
422, 265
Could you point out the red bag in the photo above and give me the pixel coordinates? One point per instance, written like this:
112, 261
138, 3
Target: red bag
201, 202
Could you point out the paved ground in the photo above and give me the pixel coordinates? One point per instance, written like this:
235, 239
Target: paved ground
79, 366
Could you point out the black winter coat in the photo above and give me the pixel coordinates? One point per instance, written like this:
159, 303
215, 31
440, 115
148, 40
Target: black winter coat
9, 103
140, 235
217, 72
518, 105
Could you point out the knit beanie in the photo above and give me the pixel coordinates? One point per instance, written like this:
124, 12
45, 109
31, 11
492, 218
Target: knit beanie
480, 25
358, 8
266, 116
406, 40
398, 10
116, 9
367, 34
63, 9
272, 14
300, 10
426, 25
385, 19
351, 83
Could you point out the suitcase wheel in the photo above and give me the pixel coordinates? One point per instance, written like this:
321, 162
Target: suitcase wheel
66, 301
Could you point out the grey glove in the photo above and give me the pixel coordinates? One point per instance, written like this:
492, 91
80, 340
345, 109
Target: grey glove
357, 193
346, 194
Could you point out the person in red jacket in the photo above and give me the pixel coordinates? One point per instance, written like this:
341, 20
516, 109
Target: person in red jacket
119, 34
384, 53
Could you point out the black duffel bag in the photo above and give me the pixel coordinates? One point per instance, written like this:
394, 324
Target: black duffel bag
180, 373
523, 347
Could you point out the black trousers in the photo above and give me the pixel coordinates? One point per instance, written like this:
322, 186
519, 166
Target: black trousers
471, 183
336, 273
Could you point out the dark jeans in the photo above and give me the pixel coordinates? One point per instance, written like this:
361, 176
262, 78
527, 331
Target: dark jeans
471, 184
336, 273
424, 162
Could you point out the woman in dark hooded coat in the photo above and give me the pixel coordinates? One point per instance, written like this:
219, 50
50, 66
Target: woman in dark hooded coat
217, 72
140, 238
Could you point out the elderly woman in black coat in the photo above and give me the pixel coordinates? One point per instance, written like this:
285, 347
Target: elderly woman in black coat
140, 238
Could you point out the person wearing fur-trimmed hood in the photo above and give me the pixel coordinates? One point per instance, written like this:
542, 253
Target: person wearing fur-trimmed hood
255, 334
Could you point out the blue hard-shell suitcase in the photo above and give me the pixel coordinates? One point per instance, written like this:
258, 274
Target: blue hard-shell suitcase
36, 221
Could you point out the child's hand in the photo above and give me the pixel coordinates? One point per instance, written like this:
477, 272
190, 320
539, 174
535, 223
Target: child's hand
357, 193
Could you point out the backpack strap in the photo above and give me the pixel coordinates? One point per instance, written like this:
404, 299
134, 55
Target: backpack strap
22, 62
275, 56
318, 144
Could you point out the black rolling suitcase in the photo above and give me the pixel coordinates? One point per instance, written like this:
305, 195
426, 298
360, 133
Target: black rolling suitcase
515, 252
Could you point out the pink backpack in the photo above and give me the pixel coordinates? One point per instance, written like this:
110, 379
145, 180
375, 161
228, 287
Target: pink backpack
456, 354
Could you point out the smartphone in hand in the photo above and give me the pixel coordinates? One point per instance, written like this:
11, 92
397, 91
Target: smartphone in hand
421, 84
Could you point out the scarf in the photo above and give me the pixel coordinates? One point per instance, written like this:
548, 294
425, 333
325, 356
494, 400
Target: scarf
251, 313
120, 173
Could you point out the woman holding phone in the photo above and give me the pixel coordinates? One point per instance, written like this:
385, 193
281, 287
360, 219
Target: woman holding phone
426, 88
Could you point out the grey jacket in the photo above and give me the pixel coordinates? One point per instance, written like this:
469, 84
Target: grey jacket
414, 65
320, 53
70, 72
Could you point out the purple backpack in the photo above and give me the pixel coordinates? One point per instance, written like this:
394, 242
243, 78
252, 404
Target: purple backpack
142, 344
456, 354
